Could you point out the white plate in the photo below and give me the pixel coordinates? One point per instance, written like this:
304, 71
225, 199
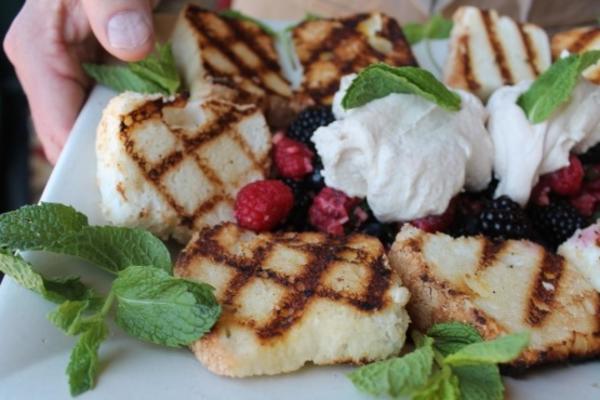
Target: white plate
34, 354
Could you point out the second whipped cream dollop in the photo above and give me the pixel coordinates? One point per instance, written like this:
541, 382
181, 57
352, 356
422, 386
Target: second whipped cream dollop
524, 151
405, 154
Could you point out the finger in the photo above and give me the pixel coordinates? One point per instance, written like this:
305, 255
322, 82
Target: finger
49, 74
123, 27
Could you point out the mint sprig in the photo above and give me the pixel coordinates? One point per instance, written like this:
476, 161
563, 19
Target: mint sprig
56, 290
157, 73
62, 229
436, 27
555, 86
379, 80
155, 307
451, 362
151, 304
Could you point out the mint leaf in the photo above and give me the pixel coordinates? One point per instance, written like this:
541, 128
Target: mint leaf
55, 290
159, 67
83, 363
397, 376
154, 306
234, 14
379, 80
443, 385
555, 86
479, 382
437, 27
68, 288
500, 350
452, 336
115, 248
61, 229
70, 315
121, 78
36, 227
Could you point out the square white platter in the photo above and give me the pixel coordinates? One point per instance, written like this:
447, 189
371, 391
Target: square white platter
34, 355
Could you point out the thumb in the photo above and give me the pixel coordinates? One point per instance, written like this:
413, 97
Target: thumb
123, 27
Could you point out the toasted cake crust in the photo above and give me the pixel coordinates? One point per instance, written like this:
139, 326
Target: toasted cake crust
579, 40
234, 59
293, 298
331, 48
488, 50
500, 288
175, 165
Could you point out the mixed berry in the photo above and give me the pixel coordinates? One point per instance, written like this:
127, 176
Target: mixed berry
298, 200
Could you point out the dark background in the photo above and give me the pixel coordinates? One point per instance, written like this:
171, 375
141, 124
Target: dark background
14, 137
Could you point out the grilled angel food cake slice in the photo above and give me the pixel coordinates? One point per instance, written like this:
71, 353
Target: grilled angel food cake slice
488, 51
175, 165
500, 288
331, 48
579, 40
234, 57
293, 298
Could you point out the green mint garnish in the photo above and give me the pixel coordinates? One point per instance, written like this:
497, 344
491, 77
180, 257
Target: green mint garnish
400, 376
157, 73
83, 363
155, 307
554, 87
450, 362
379, 80
151, 304
61, 229
56, 290
437, 27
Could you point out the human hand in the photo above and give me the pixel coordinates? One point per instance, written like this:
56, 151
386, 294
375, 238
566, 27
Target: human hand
47, 42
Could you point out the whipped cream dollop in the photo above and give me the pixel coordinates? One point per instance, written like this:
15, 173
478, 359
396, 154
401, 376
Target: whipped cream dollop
405, 154
523, 151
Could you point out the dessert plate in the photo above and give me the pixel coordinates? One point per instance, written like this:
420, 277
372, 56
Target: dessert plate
34, 354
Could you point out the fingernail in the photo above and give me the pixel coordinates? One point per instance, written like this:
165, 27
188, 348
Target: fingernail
128, 29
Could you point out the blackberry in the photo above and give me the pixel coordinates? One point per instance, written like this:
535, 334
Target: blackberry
591, 156
557, 222
297, 220
303, 127
315, 180
503, 219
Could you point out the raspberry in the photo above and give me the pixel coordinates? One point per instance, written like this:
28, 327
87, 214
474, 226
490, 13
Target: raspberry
584, 203
505, 219
308, 121
557, 222
436, 223
262, 205
292, 158
540, 194
330, 210
567, 181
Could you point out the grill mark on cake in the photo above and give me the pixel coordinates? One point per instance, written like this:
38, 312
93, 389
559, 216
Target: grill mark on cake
292, 308
347, 31
542, 299
490, 252
153, 109
497, 48
302, 287
245, 275
239, 34
529, 49
465, 50
583, 40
